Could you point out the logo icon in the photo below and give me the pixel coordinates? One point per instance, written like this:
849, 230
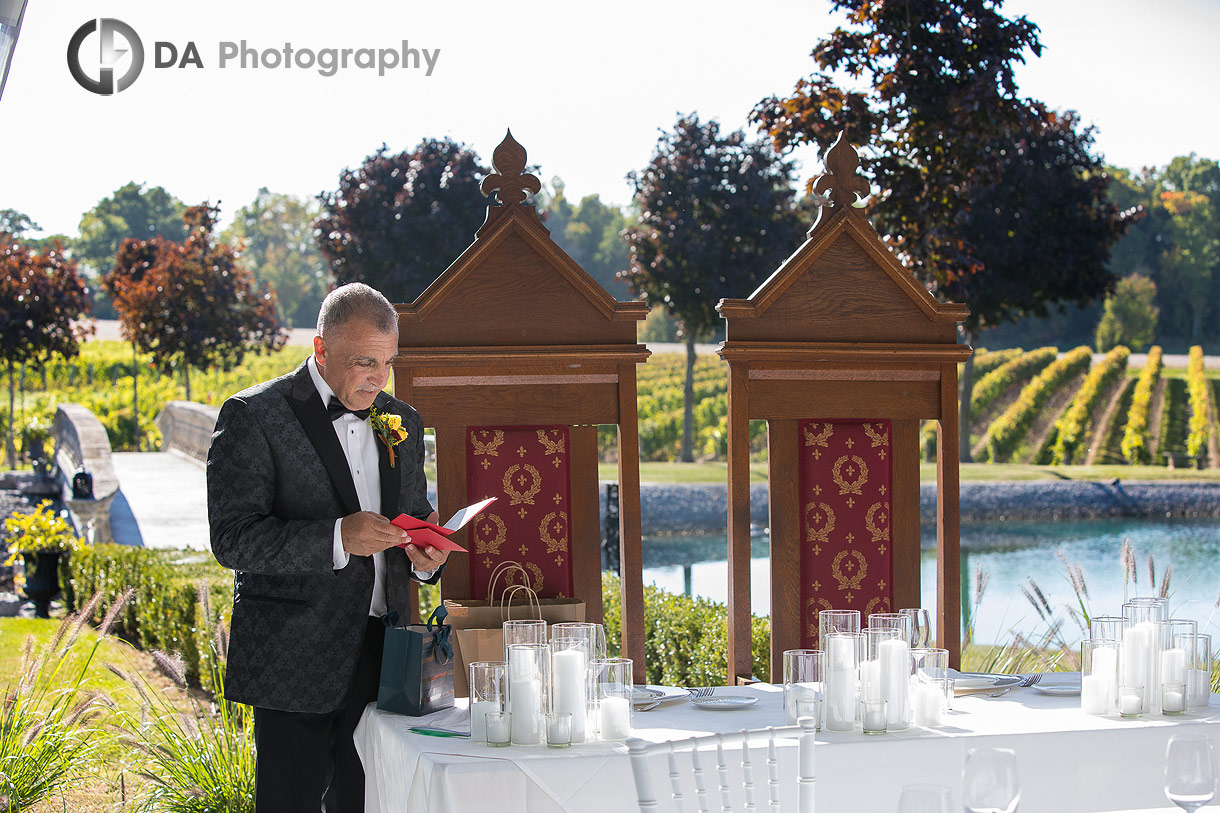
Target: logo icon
101, 78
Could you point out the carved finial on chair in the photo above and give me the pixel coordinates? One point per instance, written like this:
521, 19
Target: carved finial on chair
845, 185
509, 180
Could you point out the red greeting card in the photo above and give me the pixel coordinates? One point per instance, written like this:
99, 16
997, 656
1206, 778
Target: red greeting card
427, 534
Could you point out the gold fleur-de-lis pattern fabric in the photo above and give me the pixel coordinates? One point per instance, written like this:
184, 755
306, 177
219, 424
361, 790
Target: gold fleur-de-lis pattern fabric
845, 485
527, 469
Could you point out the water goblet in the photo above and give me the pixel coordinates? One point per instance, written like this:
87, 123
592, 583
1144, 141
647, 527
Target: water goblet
924, 799
921, 627
989, 781
1190, 777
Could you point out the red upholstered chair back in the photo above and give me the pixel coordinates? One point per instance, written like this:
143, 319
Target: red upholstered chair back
846, 483
528, 469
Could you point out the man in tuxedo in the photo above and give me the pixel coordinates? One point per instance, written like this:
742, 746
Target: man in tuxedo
300, 491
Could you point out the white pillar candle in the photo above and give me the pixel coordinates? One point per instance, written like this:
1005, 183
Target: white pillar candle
479, 710
841, 652
928, 701
568, 674
1173, 665
1142, 662
526, 706
894, 658
521, 665
870, 681
615, 718
1099, 688
840, 699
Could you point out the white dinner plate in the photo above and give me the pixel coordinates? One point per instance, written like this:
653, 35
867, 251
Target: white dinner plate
724, 702
967, 682
1057, 689
644, 695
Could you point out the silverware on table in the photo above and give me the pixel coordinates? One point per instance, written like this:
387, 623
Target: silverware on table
1027, 680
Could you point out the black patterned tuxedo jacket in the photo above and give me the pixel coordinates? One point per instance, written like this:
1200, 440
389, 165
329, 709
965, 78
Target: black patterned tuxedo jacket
277, 481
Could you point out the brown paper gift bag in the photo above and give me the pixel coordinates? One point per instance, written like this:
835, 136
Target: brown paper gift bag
478, 624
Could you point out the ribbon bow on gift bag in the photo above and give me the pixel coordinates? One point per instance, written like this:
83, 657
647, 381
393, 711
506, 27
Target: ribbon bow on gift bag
478, 623
416, 666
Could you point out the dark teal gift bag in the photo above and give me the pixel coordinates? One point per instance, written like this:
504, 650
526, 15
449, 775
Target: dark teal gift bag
416, 666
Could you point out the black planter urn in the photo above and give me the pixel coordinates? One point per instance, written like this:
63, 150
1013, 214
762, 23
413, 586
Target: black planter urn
42, 579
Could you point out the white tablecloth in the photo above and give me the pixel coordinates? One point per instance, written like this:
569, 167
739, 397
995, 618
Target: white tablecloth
1068, 762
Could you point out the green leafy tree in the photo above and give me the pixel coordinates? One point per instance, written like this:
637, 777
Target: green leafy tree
278, 248
1189, 266
42, 301
971, 170
397, 221
591, 233
16, 224
131, 212
1130, 315
191, 303
717, 217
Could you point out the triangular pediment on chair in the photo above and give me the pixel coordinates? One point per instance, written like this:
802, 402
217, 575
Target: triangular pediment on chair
841, 285
515, 286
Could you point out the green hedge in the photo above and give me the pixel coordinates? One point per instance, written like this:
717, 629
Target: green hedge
987, 360
995, 383
164, 612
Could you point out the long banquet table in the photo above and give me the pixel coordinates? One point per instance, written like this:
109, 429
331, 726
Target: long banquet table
1068, 762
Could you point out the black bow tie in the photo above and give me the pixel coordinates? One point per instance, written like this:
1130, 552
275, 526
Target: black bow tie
335, 410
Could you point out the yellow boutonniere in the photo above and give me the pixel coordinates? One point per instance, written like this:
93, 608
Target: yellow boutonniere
388, 427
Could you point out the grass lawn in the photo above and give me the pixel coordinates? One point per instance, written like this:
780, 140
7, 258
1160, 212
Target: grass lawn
109, 784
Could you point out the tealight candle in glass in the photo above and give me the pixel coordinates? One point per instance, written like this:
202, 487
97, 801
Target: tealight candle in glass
1173, 698
614, 687
559, 730
873, 716
486, 695
1099, 676
802, 680
499, 728
1130, 700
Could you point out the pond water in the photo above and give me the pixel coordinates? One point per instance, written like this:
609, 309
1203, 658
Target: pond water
1011, 554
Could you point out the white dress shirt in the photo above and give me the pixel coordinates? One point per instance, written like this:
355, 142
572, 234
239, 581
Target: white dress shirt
359, 445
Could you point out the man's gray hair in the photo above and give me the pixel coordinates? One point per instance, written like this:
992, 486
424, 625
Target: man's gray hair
356, 302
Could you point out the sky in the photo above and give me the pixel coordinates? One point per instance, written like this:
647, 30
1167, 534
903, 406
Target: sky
585, 88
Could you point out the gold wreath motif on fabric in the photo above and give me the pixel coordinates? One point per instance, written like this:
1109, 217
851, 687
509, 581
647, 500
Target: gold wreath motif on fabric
849, 582
854, 486
551, 446
821, 438
517, 497
879, 534
813, 534
536, 577
876, 437
481, 544
552, 544
811, 616
491, 446
879, 604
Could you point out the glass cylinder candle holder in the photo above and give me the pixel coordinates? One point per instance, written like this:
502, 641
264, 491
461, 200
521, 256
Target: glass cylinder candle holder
1178, 639
1099, 676
1107, 627
840, 670
571, 684
486, 695
1131, 700
1198, 687
836, 621
870, 663
802, 680
921, 627
873, 715
529, 677
528, 631
593, 634
892, 656
892, 621
1143, 642
929, 663
499, 729
614, 691
928, 701
1173, 698
559, 730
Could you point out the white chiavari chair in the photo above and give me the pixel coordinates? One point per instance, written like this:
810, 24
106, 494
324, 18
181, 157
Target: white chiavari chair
697, 749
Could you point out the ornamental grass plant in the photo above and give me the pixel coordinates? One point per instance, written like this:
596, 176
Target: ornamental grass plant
50, 722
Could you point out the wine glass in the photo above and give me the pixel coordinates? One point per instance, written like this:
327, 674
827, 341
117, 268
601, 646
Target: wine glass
921, 628
989, 781
1190, 778
924, 799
